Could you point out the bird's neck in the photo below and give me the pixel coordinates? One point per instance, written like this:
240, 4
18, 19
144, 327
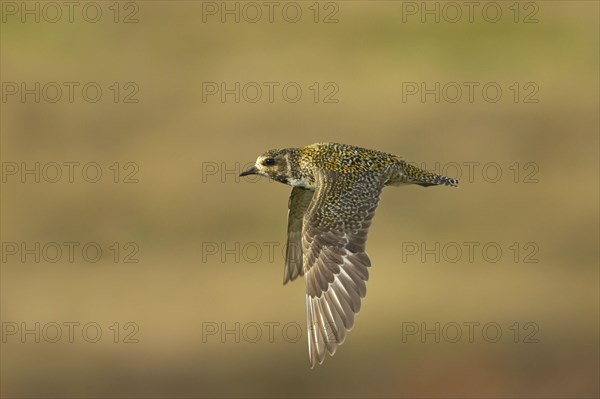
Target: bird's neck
300, 174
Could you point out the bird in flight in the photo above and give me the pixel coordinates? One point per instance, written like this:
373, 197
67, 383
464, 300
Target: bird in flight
336, 189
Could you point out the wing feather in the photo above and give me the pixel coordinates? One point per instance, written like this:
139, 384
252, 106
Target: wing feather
300, 199
335, 264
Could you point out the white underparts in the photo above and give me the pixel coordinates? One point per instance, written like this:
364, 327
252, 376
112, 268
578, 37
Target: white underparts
299, 183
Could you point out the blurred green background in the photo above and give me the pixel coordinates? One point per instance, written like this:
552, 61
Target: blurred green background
188, 200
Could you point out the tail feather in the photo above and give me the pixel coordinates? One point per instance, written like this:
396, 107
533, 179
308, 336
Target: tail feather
409, 174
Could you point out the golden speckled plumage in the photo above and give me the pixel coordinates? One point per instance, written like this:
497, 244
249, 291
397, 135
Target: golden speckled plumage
344, 159
335, 195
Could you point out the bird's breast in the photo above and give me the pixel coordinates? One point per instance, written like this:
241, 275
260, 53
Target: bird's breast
300, 183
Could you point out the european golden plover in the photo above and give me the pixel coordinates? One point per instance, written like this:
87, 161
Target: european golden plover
336, 190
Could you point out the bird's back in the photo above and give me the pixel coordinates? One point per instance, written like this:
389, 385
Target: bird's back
345, 158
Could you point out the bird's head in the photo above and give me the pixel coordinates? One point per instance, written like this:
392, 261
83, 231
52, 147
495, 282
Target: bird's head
274, 164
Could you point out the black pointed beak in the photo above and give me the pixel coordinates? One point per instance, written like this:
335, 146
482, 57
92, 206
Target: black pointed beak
251, 171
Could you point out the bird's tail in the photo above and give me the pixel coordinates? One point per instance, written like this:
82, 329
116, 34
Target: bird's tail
409, 174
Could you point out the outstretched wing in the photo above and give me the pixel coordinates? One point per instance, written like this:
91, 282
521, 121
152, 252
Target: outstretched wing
299, 201
335, 262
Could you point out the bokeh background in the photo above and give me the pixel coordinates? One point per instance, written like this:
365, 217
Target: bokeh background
187, 200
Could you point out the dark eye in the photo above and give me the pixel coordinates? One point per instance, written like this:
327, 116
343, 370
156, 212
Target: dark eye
269, 161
